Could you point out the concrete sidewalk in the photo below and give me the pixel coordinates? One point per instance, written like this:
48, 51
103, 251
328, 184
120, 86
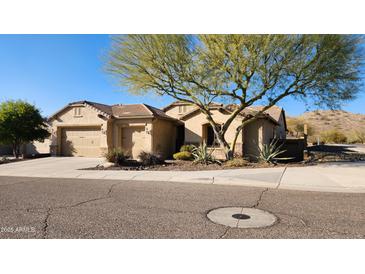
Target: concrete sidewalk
341, 177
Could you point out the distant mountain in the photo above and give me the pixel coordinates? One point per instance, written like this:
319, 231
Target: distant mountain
337, 119
324, 120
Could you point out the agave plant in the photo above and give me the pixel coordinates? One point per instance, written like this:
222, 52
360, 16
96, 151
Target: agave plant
269, 152
203, 155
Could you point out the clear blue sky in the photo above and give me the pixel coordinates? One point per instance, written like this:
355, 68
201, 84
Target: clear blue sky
53, 70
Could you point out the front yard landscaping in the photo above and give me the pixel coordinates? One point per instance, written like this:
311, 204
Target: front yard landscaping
334, 153
199, 158
179, 165
7, 160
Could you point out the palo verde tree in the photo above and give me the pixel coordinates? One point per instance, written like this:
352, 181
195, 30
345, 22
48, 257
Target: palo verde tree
323, 70
20, 123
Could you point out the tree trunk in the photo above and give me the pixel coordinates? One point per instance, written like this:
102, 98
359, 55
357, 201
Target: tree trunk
238, 130
223, 144
235, 139
16, 151
219, 134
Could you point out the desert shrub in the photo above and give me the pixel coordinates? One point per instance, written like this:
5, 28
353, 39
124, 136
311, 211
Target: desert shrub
236, 162
269, 152
116, 156
333, 136
183, 155
4, 160
202, 155
357, 137
149, 159
324, 118
188, 148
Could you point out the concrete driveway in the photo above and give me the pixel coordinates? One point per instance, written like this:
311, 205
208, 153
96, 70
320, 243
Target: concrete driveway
336, 177
61, 167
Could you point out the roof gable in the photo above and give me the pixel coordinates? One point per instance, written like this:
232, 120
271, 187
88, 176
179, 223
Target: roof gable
247, 112
182, 103
119, 111
99, 108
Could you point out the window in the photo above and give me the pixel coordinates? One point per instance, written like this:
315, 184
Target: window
77, 112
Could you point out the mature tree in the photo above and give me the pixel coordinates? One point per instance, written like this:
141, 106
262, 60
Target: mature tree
20, 123
323, 70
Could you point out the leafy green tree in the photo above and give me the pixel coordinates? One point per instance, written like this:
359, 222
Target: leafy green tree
322, 70
20, 123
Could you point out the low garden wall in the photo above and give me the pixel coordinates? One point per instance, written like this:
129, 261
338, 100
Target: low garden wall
294, 148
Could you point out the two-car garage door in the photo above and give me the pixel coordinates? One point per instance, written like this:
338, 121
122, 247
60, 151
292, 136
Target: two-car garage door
81, 141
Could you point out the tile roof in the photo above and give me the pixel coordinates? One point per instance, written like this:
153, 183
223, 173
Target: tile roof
130, 110
102, 107
274, 112
180, 103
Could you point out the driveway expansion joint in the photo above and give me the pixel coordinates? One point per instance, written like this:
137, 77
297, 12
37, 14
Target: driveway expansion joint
281, 177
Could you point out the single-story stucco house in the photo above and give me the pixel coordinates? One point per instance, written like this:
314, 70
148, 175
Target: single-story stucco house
270, 124
90, 129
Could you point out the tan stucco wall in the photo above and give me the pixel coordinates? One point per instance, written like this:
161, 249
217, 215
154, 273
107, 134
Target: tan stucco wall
256, 134
159, 135
111, 131
118, 126
164, 137
194, 127
268, 131
174, 111
280, 129
259, 132
251, 139
88, 117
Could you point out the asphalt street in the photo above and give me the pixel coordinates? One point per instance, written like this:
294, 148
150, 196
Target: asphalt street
85, 208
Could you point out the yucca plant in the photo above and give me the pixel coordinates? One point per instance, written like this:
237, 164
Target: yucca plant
269, 152
202, 155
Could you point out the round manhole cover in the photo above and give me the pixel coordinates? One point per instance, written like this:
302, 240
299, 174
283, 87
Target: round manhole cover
241, 217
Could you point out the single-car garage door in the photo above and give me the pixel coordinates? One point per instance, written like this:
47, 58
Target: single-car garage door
133, 140
81, 141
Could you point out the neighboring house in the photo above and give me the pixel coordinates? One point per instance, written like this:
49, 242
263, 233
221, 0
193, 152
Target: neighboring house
90, 129
270, 124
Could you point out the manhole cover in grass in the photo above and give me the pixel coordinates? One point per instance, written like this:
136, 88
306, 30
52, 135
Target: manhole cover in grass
241, 217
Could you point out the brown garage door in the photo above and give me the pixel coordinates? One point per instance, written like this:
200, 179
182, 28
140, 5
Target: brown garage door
133, 140
81, 141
